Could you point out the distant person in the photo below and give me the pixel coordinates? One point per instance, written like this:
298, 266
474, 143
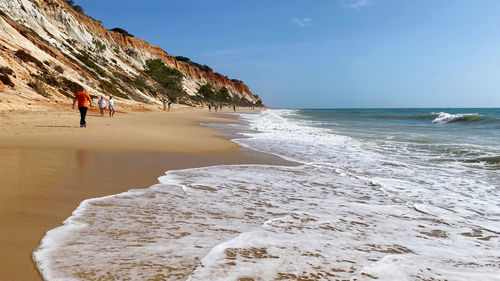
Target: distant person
209, 108
220, 107
234, 108
164, 105
111, 107
215, 106
84, 101
169, 103
102, 105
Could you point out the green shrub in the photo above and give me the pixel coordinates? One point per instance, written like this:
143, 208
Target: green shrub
181, 58
86, 59
205, 68
112, 90
237, 81
121, 31
223, 95
207, 91
77, 8
99, 47
141, 83
169, 78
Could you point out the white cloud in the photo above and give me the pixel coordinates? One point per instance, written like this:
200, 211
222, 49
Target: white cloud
303, 22
356, 4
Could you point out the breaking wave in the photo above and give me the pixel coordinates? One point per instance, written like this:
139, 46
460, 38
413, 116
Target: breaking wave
440, 117
444, 117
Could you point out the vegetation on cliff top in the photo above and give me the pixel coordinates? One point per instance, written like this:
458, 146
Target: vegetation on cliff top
75, 7
236, 81
204, 67
121, 31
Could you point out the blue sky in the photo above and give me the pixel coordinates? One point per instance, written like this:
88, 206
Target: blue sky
331, 53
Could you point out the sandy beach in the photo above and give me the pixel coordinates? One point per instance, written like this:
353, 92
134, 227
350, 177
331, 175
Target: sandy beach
49, 165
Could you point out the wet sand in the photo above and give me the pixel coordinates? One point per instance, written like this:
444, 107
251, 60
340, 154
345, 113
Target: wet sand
48, 165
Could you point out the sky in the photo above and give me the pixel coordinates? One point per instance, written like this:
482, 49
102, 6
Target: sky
330, 53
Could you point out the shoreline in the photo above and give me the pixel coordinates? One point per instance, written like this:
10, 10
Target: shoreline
50, 167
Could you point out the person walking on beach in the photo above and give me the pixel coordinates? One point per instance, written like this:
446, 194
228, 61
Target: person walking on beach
164, 105
111, 107
84, 102
169, 103
234, 108
102, 105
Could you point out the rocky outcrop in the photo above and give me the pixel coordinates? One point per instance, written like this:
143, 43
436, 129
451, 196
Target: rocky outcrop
49, 43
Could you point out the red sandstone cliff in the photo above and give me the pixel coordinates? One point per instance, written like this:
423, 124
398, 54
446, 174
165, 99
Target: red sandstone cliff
41, 40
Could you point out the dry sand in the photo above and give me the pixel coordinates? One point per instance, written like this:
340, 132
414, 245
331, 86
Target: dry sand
48, 165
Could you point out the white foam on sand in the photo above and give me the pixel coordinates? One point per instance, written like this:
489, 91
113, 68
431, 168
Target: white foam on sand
264, 223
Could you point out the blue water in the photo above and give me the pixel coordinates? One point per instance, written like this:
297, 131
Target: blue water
467, 134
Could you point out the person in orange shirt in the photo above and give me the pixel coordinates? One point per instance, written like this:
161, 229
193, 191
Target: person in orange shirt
84, 101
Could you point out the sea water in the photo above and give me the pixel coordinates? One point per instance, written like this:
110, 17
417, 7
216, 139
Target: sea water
387, 194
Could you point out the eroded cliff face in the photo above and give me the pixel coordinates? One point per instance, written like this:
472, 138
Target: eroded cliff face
49, 47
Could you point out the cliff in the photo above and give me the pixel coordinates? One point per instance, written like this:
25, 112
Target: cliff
46, 48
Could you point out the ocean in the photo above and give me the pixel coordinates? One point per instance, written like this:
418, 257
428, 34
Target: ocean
386, 194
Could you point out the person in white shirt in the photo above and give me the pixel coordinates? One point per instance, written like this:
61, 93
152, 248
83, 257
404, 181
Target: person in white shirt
111, 106
102, 105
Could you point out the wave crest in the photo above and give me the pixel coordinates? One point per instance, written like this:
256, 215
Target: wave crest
440, 117
445, 117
